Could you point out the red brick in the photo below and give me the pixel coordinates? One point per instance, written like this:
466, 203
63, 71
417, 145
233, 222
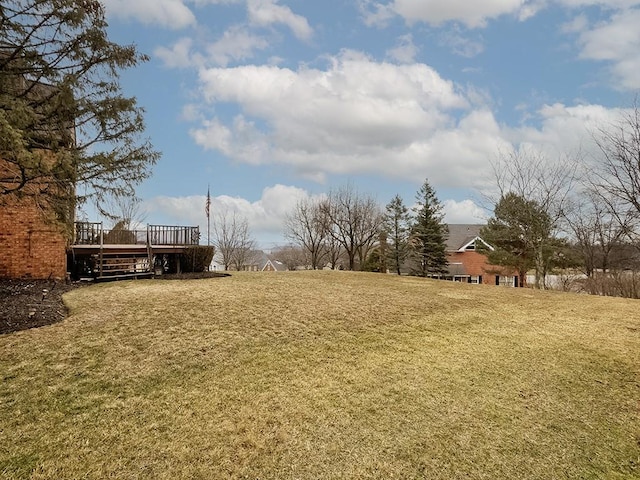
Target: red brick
476, 264
30, 247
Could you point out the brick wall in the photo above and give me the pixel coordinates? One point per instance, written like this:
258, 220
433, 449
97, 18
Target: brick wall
476, 264
29, 246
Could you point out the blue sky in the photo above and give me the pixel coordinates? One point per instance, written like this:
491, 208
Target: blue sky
270, 101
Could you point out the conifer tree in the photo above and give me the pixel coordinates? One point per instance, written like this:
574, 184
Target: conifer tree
520, 232
66, 130
428, 234
396, 221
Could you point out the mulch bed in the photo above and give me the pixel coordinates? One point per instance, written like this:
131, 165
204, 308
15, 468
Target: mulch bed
31, 303
28, 304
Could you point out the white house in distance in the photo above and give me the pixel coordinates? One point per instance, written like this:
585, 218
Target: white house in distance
259, 262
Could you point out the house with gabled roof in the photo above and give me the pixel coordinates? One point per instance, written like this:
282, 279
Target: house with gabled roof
468, 262
273, 265
263, 262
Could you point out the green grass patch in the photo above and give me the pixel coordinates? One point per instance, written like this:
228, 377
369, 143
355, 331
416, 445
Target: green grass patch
302, 375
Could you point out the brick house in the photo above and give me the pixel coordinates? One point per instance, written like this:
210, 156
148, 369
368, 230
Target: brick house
30, 245
468, 264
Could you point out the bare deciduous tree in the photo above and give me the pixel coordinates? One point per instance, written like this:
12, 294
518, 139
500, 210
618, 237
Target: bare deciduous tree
232, 239
335, 252
354, 220
293, 256
532, 176
306, 227
619, 172
125, 210
598, 224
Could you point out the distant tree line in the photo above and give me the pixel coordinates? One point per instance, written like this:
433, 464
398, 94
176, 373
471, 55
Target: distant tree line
573, 217
348, 229
569, 216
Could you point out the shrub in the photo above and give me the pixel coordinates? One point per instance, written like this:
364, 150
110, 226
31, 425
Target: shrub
624, 284
197, 258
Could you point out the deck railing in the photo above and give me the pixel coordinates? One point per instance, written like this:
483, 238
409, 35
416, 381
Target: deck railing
93, 233
88, 233
173, 235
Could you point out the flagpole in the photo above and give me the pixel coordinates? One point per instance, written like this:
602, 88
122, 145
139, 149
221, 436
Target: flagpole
207, 208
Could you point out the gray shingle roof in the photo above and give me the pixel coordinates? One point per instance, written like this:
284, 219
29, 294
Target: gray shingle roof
461, 234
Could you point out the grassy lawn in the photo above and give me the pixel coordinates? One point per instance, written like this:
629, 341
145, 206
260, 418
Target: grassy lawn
310, 375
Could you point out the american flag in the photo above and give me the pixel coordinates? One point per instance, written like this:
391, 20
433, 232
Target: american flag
208, 204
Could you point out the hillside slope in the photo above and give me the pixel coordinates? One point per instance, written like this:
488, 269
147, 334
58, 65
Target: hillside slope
323, 375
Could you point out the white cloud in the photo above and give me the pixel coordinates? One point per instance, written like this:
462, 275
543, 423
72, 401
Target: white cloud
616, 41
214, 135
457, 155
216, 2
472, 14
355, 116
530, 8
375, 14
167, 13
437, 12
405, 51
461, 45
264, 216
358, 116
237, 43
565, 130
606, 4
179, 55
465, 211
577, 25
268, 12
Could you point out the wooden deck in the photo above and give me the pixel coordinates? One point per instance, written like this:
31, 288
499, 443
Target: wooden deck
101, 254
134, 248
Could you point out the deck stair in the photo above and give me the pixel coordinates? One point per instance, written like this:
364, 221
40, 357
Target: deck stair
124, 253
110, 265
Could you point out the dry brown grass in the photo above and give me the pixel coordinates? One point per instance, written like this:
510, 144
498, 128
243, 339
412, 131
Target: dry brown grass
309, 375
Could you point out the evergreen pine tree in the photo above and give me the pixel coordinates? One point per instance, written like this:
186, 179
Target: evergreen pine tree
520, 231
428, 234
397, 219
66, 130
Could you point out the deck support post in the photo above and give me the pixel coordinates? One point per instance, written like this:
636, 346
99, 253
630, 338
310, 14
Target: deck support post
150, 251
101, 246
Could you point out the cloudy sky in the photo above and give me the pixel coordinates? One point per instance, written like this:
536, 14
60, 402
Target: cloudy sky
268, 101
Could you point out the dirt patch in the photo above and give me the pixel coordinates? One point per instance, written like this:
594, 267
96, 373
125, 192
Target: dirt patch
28, 304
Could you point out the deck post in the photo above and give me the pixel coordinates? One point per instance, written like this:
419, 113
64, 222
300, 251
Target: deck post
150, 250
101, 246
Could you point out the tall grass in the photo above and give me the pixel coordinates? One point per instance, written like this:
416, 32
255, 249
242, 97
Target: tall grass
323, 375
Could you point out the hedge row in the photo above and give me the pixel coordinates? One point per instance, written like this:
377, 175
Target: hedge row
196, 258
